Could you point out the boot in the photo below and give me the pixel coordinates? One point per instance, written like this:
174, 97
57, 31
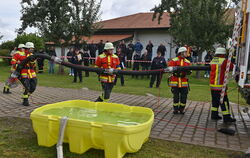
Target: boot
215, 115
218, 117
176, 110
25, 102
228, 119
4, 90
99, 99
181, 110
8, 91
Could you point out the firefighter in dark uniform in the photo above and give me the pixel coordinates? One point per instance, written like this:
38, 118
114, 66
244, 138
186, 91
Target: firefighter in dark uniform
6, 89
109, 61
158, 62
217, 74
179, 82
27, 74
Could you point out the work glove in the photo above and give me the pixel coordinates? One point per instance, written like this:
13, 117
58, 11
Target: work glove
56, 59
109, 71
14, 74
170, 69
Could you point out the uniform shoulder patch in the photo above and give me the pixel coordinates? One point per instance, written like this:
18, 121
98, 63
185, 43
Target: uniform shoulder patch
187, 61
102, 55
114, 56
175, 59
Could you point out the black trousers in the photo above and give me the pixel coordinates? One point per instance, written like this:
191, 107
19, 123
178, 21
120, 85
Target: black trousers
77, 73
93, 55
106, 92
180, 97
143, 69
40, 64
158, 80
136, 67
129, 63
216, 104
121, 77
29, 85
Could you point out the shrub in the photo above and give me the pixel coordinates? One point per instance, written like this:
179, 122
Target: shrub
6, 53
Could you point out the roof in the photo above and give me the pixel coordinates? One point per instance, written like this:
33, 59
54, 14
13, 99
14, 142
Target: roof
97, 38
136, 21
110, 38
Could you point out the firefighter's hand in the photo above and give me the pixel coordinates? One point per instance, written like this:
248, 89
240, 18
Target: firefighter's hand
14, 74
170, 69
109, 71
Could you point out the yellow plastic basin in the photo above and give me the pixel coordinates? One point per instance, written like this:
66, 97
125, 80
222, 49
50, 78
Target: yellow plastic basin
115, 128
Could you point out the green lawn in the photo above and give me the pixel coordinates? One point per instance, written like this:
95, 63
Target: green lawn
199, 87
17, 140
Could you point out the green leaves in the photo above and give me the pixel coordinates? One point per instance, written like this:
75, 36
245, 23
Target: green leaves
196, 22
61, 20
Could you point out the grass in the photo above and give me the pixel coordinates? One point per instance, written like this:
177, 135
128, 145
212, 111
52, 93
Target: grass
200, 90
17, 140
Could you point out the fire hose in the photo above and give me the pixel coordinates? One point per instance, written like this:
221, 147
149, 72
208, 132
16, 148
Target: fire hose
58, 60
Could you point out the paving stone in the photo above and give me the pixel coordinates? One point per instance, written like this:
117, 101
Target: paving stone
195, 127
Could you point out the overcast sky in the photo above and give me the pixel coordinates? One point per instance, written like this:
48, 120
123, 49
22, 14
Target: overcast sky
10, 13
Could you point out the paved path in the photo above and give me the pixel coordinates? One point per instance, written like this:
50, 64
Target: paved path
195, 127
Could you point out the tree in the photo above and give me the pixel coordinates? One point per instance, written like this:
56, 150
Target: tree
8, 45
198, 23
62, 20
1, 36
23, 38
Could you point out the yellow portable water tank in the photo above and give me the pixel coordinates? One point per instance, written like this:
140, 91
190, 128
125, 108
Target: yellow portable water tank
115, 128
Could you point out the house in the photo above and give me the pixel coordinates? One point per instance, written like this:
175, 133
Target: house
135, 27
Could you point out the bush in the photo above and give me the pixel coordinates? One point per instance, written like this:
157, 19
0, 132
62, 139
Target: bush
7, 45
6, 53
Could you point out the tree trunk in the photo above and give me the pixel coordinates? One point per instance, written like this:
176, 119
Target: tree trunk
198, 73
61, 68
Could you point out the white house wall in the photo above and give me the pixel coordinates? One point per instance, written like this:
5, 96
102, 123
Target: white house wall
157, 37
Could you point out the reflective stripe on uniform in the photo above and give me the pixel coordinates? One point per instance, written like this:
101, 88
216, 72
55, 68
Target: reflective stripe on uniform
25, 96
225, 112
183, 105
176, 104
214, 109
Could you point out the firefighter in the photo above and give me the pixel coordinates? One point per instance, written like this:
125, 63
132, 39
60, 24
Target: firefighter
108, 61
179, 82
27, 74
217, 73
6, 89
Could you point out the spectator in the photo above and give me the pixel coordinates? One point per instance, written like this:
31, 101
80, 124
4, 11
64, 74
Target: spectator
51, 52
86, 60
161, 49
121, 57
122, 46
195, 55
158, 62
69, 57
149, 49
92, 51
136, 64
145, 64
208, 58
77, 59
138, 47
40, 61
130, 51
100, 47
